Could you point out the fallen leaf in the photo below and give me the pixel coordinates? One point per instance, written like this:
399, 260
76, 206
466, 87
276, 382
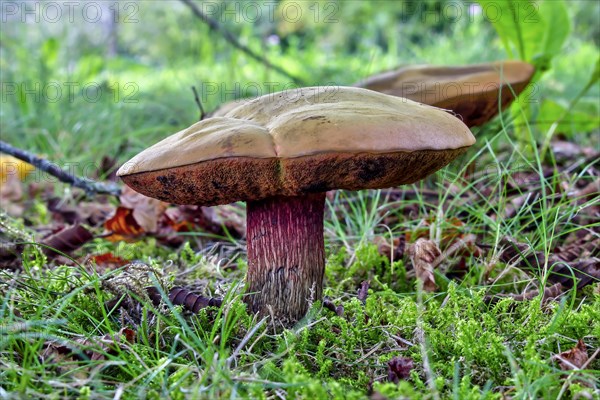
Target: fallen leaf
123, 226
11, 195
565, 150
91, 213
146, 210
93, 348
108, 261
393, 249
585, 270
584, 247
328, 304
575, 358
229, 216
10, 165
550, 293
66, 240
423, 253
399, 368
10, 255
452, 229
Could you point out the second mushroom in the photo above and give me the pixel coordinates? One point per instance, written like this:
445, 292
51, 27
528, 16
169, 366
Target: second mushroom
280, 153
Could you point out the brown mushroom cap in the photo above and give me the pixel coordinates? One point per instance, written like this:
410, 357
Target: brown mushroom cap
298, 142
470, 91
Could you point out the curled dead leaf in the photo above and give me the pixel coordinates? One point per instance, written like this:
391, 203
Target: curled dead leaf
399, 368
576, 358
66, 240
423, 254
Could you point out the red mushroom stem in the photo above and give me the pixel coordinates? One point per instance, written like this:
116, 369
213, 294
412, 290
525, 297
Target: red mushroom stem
286, 254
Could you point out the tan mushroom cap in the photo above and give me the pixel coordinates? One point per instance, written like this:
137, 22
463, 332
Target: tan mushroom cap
470, 91
297, 142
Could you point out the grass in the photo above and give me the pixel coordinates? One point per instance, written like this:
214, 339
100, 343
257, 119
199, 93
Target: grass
53, 314
475, 350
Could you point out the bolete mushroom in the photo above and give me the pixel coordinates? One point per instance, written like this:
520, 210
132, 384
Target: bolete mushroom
471, 91
280, 153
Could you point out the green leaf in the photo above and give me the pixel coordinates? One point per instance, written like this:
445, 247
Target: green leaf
558, 25
595, 75
50, 51
536, 30
583, 118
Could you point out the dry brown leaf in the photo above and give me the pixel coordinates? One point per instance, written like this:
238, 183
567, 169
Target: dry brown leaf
585, 270
575, 358
66, 240
123, 226
565, 150
393, 249
330, 305
399, 368
108, 261
423, 253
93, 348
11, 195
229, 216
91, 213
146, 210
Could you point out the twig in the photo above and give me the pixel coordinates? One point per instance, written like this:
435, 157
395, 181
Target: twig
197, 98
229, 37
90, 187
244, 341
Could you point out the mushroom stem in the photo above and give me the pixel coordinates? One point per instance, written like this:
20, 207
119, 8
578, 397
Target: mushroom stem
286, 254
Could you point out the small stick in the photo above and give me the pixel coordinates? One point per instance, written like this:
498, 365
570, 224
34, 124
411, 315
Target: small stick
214, 26
89, 186
244, 341
197, 98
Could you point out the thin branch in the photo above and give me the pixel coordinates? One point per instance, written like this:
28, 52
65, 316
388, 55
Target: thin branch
90, 187
244, 341
197, 98
229, 37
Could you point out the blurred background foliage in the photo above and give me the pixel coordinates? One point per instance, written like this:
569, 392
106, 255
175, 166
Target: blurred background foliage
75, 89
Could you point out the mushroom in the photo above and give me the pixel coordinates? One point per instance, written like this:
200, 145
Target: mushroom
471, 91
280, 153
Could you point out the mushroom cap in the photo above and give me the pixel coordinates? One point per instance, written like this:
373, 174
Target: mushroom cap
470, 91
224, 108
296, 142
